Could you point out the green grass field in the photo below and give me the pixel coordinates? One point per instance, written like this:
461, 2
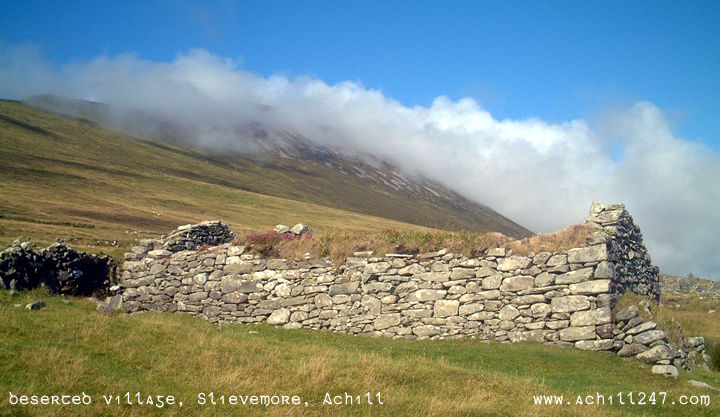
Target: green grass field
70, 349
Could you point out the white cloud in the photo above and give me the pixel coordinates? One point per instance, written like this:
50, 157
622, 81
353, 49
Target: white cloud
540, 174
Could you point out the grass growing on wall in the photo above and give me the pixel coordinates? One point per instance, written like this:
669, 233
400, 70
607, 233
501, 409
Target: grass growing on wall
69, 348
339, 245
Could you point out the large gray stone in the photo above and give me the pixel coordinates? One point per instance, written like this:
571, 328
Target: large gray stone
631, 350
345, 288
667, 371
649, 336
570, 303
241, 267
412, 269
573, 334
233, 283
508, 313
627, 313
377, 267
572, 277
597, 286
658, 353
596, 345
492, 282
512, 263
279, 316
605, 270
385, 321
462, 273
446, 308
591, 317
426, 331
590, 254
426, 295
517, 283
643, 327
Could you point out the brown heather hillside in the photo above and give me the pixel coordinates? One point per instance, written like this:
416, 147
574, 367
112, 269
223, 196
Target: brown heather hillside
61, 177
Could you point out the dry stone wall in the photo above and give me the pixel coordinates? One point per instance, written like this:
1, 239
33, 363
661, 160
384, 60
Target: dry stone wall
562, 298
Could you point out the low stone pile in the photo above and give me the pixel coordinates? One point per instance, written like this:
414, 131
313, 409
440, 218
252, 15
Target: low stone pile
187, 237
299, 229
642, 339
59, 268
195, 236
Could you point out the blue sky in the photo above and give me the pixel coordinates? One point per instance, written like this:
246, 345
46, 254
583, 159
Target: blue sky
556, 60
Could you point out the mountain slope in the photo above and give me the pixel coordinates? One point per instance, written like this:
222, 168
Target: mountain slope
64, 173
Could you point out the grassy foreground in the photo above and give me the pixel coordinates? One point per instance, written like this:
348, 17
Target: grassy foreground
70, 349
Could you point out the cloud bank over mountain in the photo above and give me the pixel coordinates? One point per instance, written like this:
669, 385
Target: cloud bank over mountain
542, 175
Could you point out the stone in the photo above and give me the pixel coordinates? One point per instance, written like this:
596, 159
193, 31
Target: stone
667, 371
649, 336
650, 325
345, 288
426, 295
517, 283
508, 313
598, 286
573, 277
591, 317
323, 301
540, 310
446, 308
489, 295
595, 345
529, 299
492, 282
281, 228
299, 316
544, 280
373, 305
377, 267
627, 313
467, 309
512, 263
572, 334
159, 253
233, 283
570, 303
301, 229
235, 250
700, 384
631, 350
498, 252
462, 273
435, 276
412, 269
557, 260
485, 271
385, 321
234, 298
590, 254
279, 316
655, 354
35, 305
240, 267
605, 270
426, 331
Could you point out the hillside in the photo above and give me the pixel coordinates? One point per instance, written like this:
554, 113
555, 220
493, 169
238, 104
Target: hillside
64, 177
